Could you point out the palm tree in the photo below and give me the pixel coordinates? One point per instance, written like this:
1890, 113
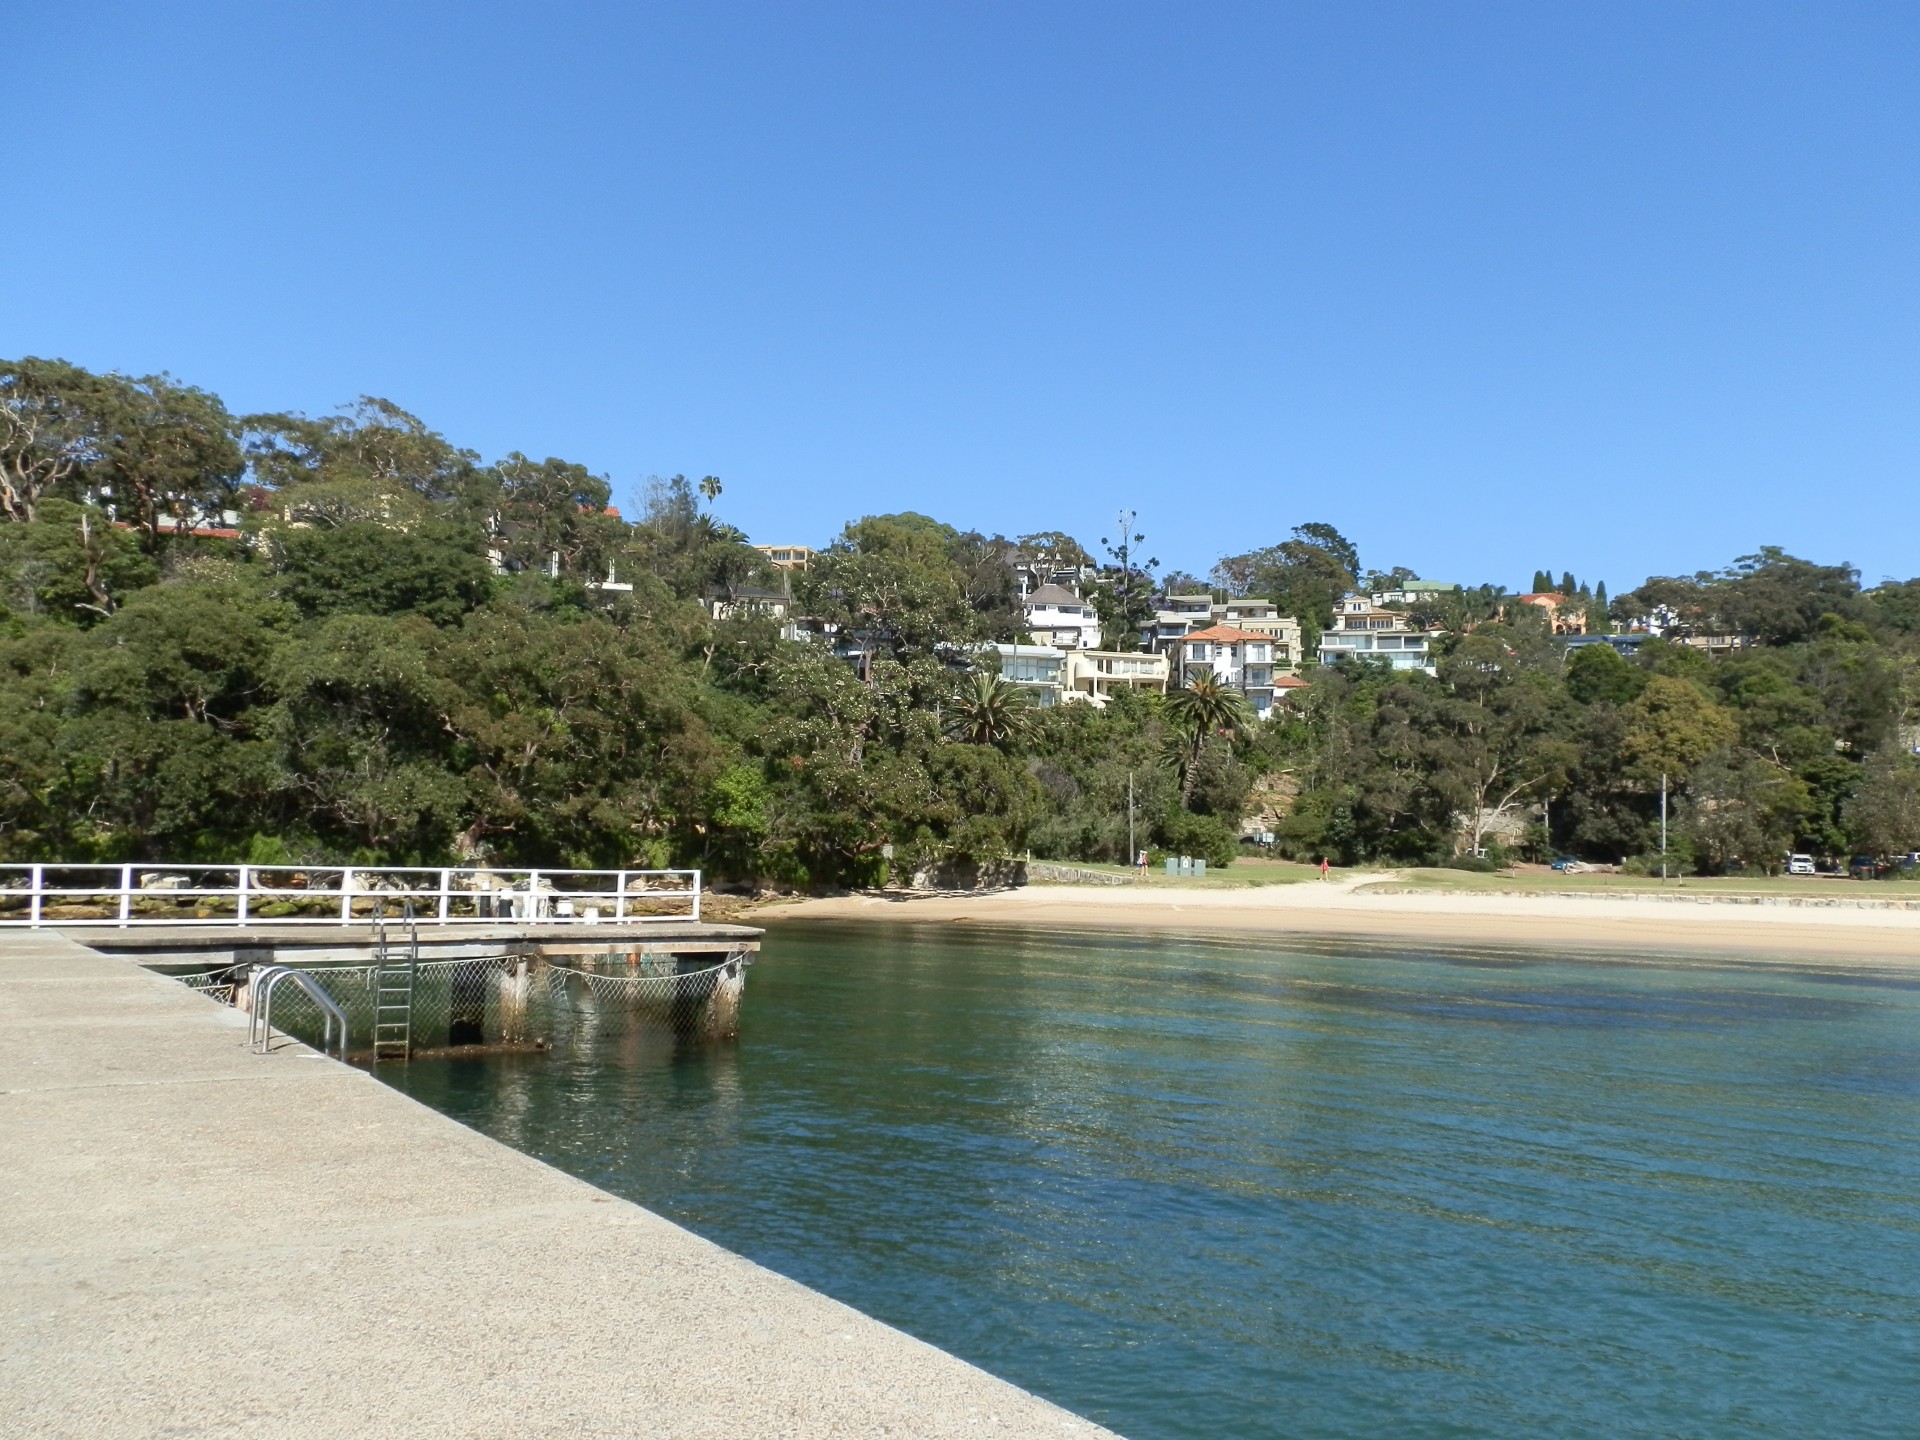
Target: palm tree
1202, 709
987, 710
711, 488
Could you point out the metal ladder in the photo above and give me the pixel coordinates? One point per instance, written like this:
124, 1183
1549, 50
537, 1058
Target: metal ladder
394, 969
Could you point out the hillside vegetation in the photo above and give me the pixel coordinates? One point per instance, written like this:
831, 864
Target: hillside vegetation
397, 653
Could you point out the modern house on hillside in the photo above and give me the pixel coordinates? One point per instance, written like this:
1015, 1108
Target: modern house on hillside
1416, 592
1182, 615
1058, 617
786, 557
1176, 617
1036, 669
1095, 675
1239, 659
1363, 629
1052, 676
1031, 573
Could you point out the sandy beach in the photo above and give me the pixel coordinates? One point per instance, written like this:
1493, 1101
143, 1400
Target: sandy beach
1356, 906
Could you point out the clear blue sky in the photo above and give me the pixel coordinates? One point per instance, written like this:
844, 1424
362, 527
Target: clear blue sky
1616, 287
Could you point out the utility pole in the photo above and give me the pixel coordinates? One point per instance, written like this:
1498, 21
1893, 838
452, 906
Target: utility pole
1663, 824
1131, 852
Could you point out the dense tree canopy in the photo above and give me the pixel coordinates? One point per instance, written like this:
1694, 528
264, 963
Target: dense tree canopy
279, 637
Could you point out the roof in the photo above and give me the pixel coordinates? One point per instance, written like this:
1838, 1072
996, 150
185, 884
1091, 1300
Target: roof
1550, 597
1054, 595
1225, 634
1288, 682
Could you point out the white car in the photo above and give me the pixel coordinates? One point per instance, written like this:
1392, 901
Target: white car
1799, 864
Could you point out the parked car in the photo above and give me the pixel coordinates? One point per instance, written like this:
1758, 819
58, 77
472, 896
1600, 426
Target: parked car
1569, 865
1799, 864
1864, 867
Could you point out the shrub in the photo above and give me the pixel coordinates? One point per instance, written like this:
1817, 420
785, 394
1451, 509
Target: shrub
1206, 837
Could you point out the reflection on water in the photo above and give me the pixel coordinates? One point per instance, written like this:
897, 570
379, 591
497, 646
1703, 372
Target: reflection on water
1206, 1189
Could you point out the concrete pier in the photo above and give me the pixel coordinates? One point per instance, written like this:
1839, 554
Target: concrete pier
196, 1240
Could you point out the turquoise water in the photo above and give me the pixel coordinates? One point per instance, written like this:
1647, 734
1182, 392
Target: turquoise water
1251, 1189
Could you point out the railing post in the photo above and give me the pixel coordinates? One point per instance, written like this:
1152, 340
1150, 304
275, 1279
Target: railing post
240, 898
126, 894
533, 895
39, 877
698, 876
620, 902
346, 894
446, 883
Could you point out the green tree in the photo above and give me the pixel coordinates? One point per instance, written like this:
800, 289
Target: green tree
1672, 727
1742, 809
891, 579
1601, 673
1124, 601
70, 562
47, 431
1202, 708
1883, 817
1304, 575
987, 710
434, 569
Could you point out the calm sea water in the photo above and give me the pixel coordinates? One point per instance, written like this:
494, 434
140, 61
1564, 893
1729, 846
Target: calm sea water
1199, 1189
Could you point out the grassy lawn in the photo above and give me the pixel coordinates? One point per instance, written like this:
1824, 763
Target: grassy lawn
1249, 874
1822, 887
1241, 875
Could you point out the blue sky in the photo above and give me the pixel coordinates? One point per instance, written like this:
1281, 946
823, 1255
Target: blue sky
1621, 288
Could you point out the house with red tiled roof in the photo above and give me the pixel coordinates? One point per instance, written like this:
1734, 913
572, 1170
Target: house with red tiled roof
1288, 689
1239, 659
1565, 616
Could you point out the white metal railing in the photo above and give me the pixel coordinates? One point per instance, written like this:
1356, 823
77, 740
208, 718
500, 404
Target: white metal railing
67, 895
268, 978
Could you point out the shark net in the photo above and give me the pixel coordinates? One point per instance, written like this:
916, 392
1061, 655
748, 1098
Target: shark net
512, 1001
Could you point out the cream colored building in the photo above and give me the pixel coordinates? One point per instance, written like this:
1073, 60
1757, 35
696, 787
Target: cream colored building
1365, 630
786, 557
1096, 675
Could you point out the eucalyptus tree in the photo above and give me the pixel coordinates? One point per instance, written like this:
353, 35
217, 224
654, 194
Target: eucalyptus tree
47, 430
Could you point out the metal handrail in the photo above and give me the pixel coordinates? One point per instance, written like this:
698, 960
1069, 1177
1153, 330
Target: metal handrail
556, 897
265, 981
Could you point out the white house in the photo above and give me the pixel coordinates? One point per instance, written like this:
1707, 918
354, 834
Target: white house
1416, 592
1058, 617
1240, 659
1182, 615
1036, 669
1361, 628
1094, 676
1051, 675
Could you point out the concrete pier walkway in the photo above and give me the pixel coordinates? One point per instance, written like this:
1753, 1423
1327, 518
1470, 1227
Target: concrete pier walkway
199, 1241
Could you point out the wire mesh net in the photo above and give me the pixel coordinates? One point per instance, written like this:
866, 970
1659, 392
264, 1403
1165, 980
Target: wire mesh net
512, 1001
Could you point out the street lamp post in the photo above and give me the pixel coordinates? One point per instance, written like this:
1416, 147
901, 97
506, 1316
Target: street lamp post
1663, 824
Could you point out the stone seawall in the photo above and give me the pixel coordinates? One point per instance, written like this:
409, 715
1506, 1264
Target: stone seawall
1049, 873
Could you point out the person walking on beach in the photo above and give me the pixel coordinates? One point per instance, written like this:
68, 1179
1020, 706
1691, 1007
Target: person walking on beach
1323, 868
